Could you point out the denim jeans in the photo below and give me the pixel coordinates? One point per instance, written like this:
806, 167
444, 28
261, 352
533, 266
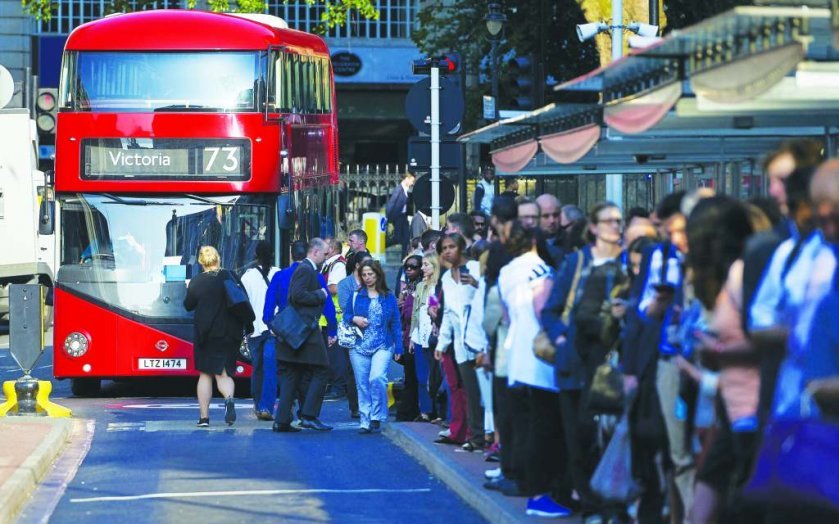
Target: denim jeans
421, 368
371, 381
264, 376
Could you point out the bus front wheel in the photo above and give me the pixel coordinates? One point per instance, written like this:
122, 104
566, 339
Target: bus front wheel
85, 387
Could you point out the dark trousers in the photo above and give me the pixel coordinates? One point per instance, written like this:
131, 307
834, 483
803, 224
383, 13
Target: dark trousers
580, 432
474, 410
349, 374
339, 363
504, 427
291, 376
545, 462
409, 402
519, 403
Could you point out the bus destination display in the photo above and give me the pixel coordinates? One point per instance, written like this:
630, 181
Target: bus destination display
165, 159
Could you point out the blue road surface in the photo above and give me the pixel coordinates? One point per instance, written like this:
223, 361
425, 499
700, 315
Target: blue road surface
149, 463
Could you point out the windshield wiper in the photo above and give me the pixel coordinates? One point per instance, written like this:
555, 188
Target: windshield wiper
184, 107
209, 200
121, 200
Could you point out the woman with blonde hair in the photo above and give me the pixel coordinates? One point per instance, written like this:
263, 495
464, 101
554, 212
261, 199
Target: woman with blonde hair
217, 334
421, 331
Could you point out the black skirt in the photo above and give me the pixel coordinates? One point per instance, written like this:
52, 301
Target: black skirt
216, 354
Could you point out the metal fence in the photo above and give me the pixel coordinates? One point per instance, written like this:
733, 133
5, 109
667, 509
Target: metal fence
397, 18
363, 189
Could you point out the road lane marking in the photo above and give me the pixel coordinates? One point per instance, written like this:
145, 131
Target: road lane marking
195, 494
126, 426
153, 426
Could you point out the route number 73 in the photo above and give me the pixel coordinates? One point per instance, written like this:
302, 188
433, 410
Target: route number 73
229, 154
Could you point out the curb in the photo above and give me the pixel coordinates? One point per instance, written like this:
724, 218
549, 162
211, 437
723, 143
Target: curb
16, 490
454, 476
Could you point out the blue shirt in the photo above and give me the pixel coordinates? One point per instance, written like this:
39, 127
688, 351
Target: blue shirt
276, 298
783, 285
385, 329
664, 268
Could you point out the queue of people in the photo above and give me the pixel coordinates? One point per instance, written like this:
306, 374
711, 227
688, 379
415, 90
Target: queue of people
682, 340
638, 366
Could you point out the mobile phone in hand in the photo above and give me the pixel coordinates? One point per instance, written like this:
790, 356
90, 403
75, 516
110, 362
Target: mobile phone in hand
665, 287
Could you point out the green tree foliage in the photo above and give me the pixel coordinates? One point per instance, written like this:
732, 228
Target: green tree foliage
684, 13
336, 11
459, 26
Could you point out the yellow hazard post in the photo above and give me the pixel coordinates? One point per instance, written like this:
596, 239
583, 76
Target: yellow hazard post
28, 396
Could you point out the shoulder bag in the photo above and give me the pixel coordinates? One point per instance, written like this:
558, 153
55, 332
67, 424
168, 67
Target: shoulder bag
543, 346
790, 465
237, 301
291, 328
346, 334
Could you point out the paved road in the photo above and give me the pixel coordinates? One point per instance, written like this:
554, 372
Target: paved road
149, 463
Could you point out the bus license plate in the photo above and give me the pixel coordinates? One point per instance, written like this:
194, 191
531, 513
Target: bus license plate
162, 363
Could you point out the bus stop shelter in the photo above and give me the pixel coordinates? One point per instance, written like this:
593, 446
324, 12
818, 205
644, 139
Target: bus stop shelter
699, 107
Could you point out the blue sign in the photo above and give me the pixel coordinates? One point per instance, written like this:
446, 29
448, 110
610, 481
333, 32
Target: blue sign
373, 64
46, 152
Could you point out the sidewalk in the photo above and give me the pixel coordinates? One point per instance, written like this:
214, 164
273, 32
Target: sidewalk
28, 447
462, 471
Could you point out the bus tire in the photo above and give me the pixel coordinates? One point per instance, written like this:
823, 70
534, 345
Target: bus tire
86, 387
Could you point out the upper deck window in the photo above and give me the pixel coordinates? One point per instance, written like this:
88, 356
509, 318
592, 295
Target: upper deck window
300, 83
161, 81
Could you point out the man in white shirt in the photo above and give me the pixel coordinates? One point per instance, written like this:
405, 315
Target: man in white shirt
261, 343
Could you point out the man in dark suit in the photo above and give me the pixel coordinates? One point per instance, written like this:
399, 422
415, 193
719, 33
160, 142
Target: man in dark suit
307, 296
396, 211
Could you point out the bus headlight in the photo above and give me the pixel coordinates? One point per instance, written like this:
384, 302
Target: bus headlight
76, 344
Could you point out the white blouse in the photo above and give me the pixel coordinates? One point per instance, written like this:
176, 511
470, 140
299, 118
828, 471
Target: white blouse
516, 283
456, 298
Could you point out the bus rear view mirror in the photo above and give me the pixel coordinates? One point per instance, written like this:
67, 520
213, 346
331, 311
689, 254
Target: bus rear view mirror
46, 221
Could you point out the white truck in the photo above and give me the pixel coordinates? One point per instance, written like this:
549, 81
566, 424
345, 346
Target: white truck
27, 207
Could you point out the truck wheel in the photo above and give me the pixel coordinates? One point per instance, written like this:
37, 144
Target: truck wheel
85, 387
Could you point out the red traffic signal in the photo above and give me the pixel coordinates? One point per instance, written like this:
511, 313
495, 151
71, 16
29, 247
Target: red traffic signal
447, 65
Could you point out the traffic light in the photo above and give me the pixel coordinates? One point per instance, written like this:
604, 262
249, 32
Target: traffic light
46, 106
448, 64
521, 82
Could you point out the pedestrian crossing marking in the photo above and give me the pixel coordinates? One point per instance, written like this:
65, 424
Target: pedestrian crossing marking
247, 492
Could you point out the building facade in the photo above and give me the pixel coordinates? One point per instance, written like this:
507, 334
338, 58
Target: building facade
371, 61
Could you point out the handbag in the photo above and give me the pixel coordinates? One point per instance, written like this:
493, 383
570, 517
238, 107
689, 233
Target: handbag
347, 336
792, 467
291, 328
245, 350
606, 393
543, 347
612, 480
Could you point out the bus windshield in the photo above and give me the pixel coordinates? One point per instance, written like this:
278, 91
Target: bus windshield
136, 254
161, 81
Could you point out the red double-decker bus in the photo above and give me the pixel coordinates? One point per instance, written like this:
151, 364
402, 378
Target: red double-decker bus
178, 129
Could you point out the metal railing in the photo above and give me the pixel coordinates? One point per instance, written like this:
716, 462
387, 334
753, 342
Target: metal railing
397, 18
69, 14
362, 189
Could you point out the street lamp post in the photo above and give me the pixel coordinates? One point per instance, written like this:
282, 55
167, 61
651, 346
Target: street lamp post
495, 20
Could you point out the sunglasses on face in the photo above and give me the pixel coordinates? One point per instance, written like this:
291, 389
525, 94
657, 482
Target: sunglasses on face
411, 266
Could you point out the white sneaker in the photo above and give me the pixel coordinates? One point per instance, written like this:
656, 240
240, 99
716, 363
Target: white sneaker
491, 474
445, 433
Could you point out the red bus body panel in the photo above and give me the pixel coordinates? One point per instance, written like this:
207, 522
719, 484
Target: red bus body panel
116, 343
